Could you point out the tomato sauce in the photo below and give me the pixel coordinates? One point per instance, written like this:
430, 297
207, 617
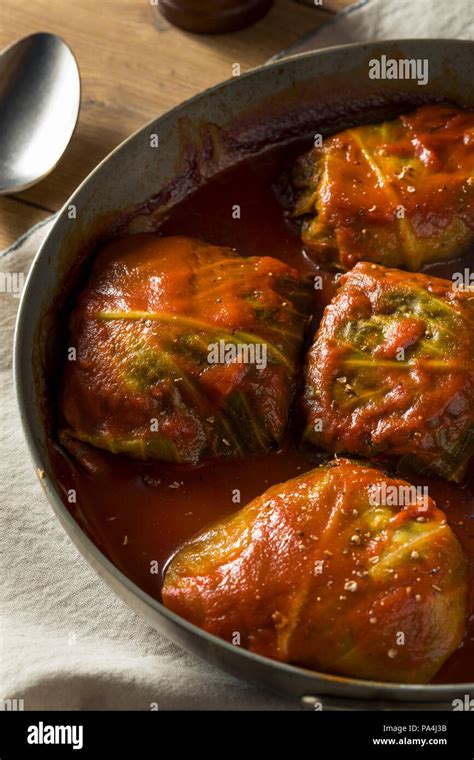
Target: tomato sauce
140, 513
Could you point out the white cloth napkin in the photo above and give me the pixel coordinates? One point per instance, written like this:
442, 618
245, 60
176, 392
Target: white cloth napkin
368, 20
66, 641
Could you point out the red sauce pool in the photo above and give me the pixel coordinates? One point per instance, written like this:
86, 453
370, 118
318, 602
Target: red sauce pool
140, 513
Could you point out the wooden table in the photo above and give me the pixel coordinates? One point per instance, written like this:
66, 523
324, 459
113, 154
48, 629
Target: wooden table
133, 66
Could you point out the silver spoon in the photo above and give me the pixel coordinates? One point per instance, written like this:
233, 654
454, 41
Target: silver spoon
40, 93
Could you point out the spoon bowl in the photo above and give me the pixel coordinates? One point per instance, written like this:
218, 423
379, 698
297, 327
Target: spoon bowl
40, 94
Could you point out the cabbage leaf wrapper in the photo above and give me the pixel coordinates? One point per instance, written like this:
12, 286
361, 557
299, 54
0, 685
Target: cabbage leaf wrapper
322, 572
184, 350
391, 371
399, 193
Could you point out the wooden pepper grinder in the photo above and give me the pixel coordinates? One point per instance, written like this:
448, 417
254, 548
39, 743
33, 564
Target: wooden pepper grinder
213, 16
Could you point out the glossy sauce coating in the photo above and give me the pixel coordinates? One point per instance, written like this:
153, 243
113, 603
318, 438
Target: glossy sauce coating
139, 513
147, 377
324, 572
399, 193
391, 371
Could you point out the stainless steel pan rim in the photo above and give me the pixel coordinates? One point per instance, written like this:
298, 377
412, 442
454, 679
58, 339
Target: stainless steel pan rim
332, 691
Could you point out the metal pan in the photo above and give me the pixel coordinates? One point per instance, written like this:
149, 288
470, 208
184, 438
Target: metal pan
133, 186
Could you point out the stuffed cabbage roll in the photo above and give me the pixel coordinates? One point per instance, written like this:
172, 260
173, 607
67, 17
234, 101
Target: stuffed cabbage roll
399, 193
182, 350
322, 572
391, 371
